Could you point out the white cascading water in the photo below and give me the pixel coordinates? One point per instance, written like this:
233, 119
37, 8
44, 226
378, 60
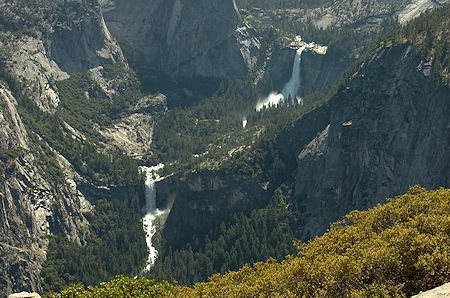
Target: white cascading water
290, 90
152, 214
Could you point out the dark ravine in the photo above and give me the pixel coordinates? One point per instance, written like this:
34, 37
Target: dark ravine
204, 199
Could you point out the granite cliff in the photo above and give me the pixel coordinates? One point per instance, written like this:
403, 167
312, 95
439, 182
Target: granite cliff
387, 130
183, 40
32, 207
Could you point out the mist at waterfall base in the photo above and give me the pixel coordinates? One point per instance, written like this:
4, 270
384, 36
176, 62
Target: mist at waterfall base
152, 214
291, 88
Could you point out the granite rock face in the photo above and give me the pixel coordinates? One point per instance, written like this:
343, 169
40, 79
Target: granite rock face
80, 43
320, 72
41, 43
388, 130
202, 200
35, 71
182, 39
62, 38
415, 7
31, 208
133, 133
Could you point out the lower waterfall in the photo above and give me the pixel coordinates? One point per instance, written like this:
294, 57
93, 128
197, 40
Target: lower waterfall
153, 215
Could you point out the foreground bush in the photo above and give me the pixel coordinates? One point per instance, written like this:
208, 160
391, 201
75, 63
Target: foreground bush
119, 287
397, 249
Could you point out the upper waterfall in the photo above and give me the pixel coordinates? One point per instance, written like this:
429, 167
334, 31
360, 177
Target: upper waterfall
291, 88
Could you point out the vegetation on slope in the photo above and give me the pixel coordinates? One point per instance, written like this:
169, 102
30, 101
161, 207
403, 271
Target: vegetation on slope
99, 168
187, 136
116, 245
397, 249
430, 35
121, 286
245, 238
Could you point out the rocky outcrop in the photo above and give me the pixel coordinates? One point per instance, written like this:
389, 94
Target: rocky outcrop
415, 8
25, 295
29, 64
439, 292
133, 134
66, 37
388, 130
182, 39
80, 41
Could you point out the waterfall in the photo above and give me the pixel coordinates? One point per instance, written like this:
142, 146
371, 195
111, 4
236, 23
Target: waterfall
290, 90
152, 215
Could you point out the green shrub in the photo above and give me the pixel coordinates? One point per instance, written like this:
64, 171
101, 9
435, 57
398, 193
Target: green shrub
397, 249
121, 286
